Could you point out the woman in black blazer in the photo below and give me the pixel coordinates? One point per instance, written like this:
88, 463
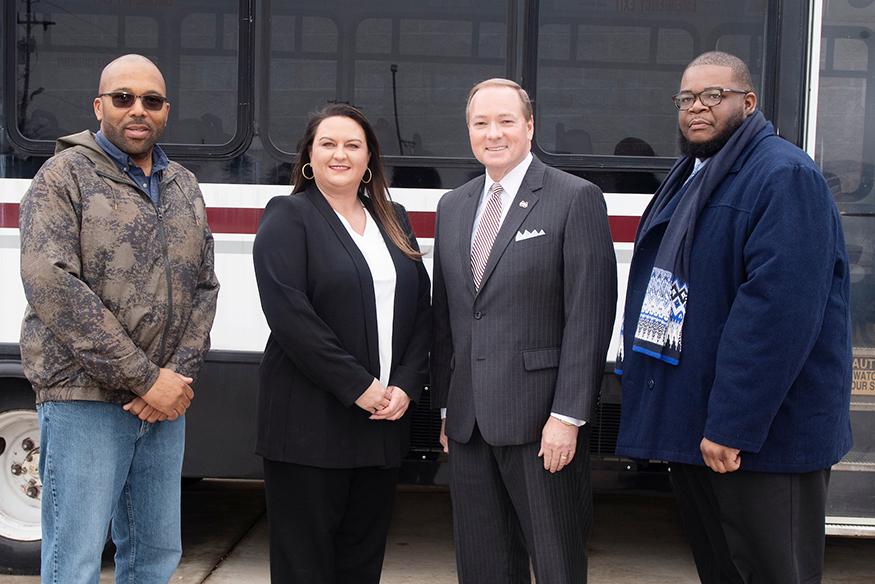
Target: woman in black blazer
346, 297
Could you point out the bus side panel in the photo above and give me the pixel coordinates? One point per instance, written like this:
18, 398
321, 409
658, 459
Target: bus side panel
220, 425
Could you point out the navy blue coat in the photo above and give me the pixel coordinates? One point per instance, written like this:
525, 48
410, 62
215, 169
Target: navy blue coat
766, 359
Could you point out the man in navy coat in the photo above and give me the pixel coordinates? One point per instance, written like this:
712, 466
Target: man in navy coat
736, 352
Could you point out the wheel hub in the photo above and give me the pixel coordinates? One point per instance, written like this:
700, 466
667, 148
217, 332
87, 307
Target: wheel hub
20, 486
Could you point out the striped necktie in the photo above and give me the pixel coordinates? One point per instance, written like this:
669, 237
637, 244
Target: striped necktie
486, 232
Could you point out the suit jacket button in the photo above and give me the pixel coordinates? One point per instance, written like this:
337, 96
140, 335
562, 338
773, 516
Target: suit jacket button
650, 384
478, 315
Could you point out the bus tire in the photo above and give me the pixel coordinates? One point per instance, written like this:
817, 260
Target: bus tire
20, 486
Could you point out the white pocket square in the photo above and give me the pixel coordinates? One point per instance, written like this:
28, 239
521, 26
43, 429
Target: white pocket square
521, 235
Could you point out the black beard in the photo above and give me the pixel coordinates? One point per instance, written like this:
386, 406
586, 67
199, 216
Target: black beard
714, 145
116, 135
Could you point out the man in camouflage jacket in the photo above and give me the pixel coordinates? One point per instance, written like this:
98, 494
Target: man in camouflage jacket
117, 266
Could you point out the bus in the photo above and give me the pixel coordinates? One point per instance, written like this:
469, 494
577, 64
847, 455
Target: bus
242, 76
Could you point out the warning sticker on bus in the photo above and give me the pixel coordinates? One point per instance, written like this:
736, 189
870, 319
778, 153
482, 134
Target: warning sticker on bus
864, 374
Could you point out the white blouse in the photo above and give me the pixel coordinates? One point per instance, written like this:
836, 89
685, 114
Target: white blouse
382, 268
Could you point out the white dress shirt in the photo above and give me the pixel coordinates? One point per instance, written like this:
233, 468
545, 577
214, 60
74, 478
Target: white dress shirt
382, 268
510, 184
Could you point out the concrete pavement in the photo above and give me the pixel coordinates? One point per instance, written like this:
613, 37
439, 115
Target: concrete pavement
636, 539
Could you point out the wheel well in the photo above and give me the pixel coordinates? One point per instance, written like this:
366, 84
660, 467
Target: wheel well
15, 392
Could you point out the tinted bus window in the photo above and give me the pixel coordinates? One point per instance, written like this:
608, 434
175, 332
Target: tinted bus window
303, 72
607, 70
62, 47
395, 60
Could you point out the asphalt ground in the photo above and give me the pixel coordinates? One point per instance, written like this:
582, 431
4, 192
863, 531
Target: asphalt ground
636, 539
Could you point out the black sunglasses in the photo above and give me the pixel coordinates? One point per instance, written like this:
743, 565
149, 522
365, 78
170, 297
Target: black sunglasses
123, 100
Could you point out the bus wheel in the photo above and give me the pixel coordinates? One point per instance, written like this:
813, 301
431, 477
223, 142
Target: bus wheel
20, 486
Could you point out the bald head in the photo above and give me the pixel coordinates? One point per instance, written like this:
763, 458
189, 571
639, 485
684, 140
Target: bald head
126, 65
126, 122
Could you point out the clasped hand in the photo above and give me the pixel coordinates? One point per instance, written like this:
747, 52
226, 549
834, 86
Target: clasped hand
167, 399
384, 403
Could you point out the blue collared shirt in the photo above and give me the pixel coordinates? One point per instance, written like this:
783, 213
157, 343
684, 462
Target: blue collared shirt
148, 184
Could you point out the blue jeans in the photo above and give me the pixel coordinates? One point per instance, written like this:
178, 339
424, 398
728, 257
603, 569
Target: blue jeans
99, 462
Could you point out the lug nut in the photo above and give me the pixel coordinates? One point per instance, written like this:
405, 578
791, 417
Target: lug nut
32, 492
27, 444
16, 469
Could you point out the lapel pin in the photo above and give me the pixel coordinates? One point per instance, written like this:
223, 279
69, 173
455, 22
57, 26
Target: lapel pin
524, 204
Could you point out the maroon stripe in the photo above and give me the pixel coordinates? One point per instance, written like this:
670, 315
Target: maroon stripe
422, 223
245, 220
9, 215
623, 228
233, 219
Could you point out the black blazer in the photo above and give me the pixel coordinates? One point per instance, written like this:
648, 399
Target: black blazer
322, 354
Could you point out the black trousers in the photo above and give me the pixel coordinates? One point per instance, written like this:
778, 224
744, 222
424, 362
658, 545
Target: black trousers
327, 526
506, 507
753, 527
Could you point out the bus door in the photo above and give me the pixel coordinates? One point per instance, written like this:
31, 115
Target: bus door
844, 148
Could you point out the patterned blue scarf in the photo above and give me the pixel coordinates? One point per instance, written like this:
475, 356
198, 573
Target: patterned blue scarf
659, 331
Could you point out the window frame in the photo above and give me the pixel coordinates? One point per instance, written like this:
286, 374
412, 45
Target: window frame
512, 51
785, 57
243, 130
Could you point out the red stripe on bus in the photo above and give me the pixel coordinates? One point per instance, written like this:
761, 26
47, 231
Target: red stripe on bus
422, 223
233, 219
623, 228
9, 215
245, 221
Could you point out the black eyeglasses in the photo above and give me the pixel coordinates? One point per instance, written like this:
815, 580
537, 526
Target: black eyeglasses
709, 97
123, 100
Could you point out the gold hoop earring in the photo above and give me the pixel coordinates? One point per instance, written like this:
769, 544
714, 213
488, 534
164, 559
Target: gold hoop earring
370, 176
305, 174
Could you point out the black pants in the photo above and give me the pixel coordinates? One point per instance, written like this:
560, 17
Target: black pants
327, 526
506, 507
753, 527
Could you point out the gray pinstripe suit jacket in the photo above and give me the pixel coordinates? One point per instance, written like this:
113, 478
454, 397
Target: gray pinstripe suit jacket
533, 339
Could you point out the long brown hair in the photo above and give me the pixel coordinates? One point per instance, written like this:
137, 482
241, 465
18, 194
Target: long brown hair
378, 188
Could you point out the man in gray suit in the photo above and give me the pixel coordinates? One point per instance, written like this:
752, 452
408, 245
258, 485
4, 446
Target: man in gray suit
525, 287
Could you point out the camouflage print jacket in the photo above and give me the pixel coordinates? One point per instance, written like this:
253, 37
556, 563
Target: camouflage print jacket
115, 287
